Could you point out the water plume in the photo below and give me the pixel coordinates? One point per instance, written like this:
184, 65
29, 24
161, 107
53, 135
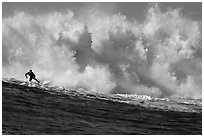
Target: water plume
107, 53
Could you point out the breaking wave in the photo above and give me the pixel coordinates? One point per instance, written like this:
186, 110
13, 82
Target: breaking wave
159, 57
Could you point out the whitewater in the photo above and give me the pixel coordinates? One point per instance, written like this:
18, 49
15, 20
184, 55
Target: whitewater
107, 53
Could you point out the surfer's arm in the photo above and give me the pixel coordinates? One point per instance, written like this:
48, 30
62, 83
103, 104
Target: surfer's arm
26, 74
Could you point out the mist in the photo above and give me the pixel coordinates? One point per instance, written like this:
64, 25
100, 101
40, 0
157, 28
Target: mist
106, 52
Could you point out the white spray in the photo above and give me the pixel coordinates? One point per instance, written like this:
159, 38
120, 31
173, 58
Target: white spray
108, 54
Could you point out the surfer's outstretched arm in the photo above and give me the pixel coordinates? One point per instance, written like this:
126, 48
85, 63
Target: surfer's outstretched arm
26, 75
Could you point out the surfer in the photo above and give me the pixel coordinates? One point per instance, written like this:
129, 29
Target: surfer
32, 76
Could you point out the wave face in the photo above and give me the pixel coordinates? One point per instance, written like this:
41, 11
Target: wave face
145, 101
107, 53
47, 110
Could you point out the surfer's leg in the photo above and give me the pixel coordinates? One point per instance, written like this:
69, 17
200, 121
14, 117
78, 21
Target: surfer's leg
36, 80
30, 79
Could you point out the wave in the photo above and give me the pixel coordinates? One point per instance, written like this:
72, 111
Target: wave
161, 104
107, 53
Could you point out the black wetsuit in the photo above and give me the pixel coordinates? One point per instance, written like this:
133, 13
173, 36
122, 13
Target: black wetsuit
32, 76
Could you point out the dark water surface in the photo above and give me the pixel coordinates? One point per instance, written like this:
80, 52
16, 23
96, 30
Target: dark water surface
29, 110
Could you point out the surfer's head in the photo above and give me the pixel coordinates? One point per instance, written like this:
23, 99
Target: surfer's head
30, 70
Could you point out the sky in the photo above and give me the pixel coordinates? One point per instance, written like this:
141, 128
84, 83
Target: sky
135, 10
150, 49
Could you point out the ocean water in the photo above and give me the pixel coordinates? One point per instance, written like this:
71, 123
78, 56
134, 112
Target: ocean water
46, 109
163, 103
